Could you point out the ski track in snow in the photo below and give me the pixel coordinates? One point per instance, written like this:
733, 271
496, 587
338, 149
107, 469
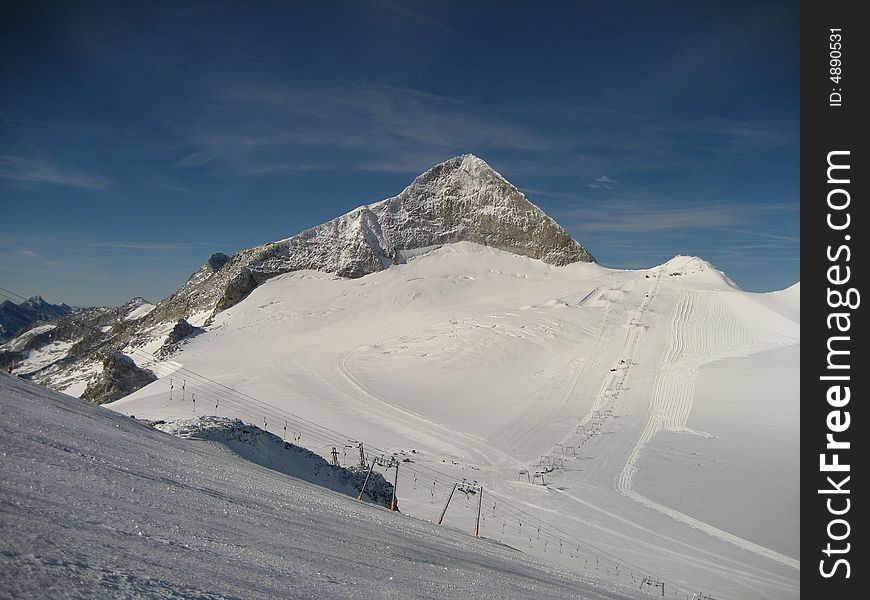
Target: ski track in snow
592, 425
416, 424
697, 329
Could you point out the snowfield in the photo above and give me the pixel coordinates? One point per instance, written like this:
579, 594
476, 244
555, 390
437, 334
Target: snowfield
270, 451
659, 406
96, 505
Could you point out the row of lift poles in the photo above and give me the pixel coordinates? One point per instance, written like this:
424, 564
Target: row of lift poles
466, 488
378, 460
388, 463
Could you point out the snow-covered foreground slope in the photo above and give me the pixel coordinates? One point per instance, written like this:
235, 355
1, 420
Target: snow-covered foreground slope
96, 505
268, 450
659, 406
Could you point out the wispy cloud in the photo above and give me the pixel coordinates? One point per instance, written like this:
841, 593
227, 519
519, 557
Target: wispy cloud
194, 159
407, 11
13, 256
155, 246
259, 127
39, 172
625, 215
535, 192
252, 128
645, 219
601, 183
764, 234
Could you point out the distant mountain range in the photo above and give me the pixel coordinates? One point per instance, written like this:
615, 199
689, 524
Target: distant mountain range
15, 318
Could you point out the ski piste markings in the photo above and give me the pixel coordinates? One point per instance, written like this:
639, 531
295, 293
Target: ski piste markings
632, 338
391, 410
609, 394
614, 380
691, 555
442, 439
510, 433
474, 447
517, 438
672, 399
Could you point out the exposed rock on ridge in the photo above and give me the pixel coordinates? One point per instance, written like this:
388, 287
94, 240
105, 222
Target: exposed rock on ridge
120, 377
17, 318
462, 199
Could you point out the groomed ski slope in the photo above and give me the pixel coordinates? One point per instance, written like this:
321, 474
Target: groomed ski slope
96, 505
481, 364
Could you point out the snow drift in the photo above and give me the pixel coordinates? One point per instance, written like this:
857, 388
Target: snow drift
270, 451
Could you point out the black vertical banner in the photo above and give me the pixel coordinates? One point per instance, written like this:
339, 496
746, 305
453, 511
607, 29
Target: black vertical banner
834, 266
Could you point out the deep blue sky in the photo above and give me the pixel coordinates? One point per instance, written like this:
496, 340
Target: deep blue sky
136, 138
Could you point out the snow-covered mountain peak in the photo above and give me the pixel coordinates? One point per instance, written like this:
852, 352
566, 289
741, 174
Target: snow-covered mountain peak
686, 263
681, 265
16, 318
465, 175
135, 308
464, 199
461, 199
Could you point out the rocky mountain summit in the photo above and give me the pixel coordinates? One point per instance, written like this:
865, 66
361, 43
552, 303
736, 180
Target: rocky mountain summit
15, 318
460, 200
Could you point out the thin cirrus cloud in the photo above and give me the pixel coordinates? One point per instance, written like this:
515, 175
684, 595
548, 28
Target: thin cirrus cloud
628, 216
155, 246
22, 243
250, 128
602, 183
254, 128
40, 172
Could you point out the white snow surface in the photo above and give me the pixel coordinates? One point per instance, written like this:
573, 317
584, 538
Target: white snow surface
97, 505
36, 359
662, 404
17, 344
140, 311
270, 451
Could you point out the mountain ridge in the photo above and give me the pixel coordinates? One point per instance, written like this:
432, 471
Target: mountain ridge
17, 318
459, 200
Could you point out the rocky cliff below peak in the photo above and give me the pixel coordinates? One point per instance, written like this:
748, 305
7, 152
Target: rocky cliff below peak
464, 199
461, 199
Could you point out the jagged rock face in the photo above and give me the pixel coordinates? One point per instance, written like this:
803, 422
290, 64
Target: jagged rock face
216, 261
91, 333
462, 199
120, 377
16, 318
181, 330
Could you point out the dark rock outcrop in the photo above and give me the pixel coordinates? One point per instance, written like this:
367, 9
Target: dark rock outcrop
120, 376
16, 318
